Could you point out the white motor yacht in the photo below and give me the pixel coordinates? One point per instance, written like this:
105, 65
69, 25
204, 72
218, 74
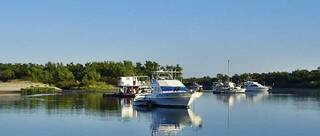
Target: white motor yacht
255, 87
167, 91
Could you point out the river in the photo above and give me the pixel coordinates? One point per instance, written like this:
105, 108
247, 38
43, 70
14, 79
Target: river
84, 114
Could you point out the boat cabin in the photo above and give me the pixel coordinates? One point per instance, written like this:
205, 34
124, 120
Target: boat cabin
169, 86
134, 84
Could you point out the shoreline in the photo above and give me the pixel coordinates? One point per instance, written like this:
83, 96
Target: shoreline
15, 86
294, 90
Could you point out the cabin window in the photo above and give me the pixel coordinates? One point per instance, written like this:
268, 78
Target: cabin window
173, 88
254, 86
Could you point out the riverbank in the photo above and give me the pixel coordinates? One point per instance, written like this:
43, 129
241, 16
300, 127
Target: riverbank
19, 86
98, 87
15, 86
294, 91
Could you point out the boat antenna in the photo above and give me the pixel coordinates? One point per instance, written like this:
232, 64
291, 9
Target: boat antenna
228, 71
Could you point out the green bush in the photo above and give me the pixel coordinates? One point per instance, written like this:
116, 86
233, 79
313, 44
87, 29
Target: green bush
99, 87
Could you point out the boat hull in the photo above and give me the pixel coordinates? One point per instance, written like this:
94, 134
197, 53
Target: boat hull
257, 89
142, 100
172, 100
141, 103
231, 91
120, 95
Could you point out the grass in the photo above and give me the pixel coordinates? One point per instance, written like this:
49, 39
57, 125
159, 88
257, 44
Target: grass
99, 87
38, 90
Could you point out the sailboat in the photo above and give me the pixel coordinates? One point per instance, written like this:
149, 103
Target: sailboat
227, 86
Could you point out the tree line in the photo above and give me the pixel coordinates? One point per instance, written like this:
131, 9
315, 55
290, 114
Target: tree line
71, 75
294, 79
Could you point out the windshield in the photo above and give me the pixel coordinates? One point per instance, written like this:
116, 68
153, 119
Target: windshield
173, 88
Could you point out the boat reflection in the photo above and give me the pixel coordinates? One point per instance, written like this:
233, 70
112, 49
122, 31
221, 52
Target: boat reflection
232, 99
168, 121
256, 97
127, 111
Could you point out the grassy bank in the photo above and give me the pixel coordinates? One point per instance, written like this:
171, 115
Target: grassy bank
17, 85
39, 90
98, 87
28, 87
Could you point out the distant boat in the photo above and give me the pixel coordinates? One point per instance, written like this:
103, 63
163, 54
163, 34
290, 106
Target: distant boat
255, 87
130, 86
197, 87
227, 86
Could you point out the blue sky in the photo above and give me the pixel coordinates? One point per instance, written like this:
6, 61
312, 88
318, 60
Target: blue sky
200, 35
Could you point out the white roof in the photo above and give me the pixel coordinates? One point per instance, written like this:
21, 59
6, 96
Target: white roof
170, 83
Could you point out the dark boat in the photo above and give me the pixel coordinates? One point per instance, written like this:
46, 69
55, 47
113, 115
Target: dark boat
120, 95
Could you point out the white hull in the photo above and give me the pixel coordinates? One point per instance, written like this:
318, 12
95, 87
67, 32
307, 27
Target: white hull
142, 100
140, 103
172, 99
234, 90
257, 89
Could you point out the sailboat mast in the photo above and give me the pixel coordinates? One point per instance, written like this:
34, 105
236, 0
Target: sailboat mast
228, 70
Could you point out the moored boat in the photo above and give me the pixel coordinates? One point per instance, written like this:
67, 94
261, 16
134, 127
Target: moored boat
197, 87
167, 91
130, 86
255, 87
227, 87
142, 100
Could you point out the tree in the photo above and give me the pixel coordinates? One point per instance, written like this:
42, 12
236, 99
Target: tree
91, 76
150, 67
78, 70
7, 74
38, 74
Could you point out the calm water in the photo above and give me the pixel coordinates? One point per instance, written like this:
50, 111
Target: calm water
74, 114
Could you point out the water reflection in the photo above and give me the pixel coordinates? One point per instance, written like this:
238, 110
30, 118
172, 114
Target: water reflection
171, 122
9, 97
67, 103
256, 97
163, 121
232, 99
91, 114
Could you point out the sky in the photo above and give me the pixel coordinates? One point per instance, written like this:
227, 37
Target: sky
200, 35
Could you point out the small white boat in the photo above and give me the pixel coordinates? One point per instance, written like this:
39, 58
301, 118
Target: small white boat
197, 87
255, 87
227, 87
142, 99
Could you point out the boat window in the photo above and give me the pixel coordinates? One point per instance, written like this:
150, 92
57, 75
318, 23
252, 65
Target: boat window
173, 88
254, 86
